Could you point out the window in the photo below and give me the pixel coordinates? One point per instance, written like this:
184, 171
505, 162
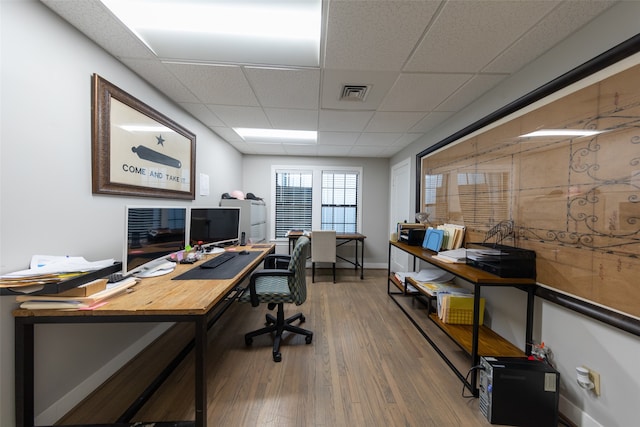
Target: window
316, 198
293, 201
339, 201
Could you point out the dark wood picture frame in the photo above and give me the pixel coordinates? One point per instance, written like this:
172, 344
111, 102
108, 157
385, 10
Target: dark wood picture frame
137, 151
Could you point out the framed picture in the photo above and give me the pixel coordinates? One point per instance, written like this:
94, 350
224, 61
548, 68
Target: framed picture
137, 151
562, 165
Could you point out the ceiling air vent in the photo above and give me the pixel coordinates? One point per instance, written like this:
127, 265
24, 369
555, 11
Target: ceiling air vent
354, 92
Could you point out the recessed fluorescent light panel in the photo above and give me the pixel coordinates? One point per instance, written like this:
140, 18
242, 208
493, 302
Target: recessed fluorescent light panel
561, 132
284, 136
269, 32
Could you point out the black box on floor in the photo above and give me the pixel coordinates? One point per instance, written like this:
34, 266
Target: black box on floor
516, 391
501, 260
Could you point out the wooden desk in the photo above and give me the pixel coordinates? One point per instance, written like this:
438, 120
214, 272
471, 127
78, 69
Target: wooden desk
156, 299
341, 239
477, 340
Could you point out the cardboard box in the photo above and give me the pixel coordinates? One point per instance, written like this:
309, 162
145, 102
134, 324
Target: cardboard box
85, 290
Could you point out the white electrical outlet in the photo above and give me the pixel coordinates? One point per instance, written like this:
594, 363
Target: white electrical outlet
588, 379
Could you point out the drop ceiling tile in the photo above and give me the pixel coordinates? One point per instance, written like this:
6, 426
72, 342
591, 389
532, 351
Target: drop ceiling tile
376, 139
457, 27
432, 120
421, 92
406, 139
344, 120
337, 138
390, 151
155, 73
333, 81
227, 134
233, 116
368, 151
266, 149
282, 118
565, 19
94, 20
300, 150
393, 122
202, 113
364, 35
285, 88
334, 150
470, 91
211, 84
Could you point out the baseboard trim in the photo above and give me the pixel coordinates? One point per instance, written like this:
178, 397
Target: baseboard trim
62, 406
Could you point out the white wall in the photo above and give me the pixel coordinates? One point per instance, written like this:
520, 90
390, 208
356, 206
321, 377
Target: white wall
375, 188
574, 339
46, 203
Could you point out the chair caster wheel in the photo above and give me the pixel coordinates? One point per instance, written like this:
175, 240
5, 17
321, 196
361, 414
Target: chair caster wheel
302, 319
248, 341
308, 339
277, 357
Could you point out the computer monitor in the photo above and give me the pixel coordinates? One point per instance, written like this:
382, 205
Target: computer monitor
152, 234
214, 226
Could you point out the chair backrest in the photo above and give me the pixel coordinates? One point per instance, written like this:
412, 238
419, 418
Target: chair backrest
323, 246
297, 264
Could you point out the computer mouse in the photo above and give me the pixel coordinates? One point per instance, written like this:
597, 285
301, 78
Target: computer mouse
244, 252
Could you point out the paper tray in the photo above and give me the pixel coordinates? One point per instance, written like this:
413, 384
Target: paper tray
73, 282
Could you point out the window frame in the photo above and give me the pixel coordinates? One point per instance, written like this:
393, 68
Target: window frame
316, 203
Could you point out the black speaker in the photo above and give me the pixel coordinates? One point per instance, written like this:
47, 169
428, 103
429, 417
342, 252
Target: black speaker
242, 239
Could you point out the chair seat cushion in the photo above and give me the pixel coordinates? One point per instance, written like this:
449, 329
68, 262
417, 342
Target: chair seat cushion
270, 289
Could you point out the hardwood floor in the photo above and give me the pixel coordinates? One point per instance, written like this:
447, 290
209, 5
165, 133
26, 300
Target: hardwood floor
367, 366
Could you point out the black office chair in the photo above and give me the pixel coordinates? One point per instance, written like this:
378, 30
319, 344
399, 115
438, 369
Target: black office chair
283, 280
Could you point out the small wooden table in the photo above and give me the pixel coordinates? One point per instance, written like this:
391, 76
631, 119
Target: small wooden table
341, 239
155, 299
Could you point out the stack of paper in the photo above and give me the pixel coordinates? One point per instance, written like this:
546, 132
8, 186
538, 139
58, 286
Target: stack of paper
434, 288
457, 308
454, 256
430, 275
66, 301
45, 269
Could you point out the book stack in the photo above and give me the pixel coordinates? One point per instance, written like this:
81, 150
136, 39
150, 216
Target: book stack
86, 297
453, 236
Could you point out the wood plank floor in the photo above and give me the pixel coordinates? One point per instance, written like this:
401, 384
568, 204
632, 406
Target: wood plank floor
367, 366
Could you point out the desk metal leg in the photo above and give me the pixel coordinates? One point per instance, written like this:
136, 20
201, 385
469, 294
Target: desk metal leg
475, 339
361, 258
24, 376
529, 325
201, 371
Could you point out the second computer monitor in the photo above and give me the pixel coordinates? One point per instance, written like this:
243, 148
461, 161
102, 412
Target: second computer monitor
214, 226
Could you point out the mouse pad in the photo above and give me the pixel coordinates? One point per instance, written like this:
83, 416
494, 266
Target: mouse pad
228, 270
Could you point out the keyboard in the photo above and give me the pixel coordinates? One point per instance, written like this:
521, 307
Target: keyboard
218, 260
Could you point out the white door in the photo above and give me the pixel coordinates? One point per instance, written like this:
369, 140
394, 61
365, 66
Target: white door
400, 209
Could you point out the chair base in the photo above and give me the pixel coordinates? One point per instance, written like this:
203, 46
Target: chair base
313, 272
278, 325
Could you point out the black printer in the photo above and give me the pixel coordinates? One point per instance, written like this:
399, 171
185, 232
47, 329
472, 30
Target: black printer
501, 260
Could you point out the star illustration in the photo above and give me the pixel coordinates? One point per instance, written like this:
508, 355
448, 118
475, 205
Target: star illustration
160, 140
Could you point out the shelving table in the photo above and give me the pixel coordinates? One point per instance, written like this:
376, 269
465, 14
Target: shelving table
476, 340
